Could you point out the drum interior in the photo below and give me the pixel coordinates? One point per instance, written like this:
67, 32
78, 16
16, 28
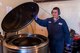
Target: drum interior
26, 41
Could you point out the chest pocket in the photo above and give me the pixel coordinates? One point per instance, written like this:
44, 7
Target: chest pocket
59, 26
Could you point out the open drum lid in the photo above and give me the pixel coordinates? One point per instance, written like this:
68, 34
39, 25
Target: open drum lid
19, 17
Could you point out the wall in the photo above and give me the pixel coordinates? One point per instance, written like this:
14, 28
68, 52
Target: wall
70, 11
6, 6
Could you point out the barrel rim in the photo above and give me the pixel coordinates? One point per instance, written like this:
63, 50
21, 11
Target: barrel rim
11, 46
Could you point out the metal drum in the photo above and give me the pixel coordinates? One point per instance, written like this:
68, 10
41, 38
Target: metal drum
24, 43
16, 19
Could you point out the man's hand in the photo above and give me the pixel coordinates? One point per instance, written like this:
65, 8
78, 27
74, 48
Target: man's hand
34, 16
68, 48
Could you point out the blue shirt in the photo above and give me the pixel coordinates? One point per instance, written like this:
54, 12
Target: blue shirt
57, 31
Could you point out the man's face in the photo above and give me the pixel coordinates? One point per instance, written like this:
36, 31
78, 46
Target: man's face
55, 13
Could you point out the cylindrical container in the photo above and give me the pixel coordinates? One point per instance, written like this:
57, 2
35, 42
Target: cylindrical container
16, 19
24, 43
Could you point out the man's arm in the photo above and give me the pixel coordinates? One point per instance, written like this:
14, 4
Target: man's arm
66, 33
41, 22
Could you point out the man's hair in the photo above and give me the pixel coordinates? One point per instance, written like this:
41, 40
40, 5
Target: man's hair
56, 8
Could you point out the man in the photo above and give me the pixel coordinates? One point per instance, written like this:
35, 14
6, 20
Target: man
58, 32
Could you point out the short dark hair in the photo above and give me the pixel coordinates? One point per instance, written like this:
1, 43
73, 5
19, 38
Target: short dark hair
56, 8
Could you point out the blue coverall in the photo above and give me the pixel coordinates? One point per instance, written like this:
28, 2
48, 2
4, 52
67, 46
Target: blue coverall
58, 33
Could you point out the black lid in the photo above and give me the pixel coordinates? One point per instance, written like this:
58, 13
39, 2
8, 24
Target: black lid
20, 16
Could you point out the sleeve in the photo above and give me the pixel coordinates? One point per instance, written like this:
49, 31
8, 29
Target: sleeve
42, 22
66, 33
